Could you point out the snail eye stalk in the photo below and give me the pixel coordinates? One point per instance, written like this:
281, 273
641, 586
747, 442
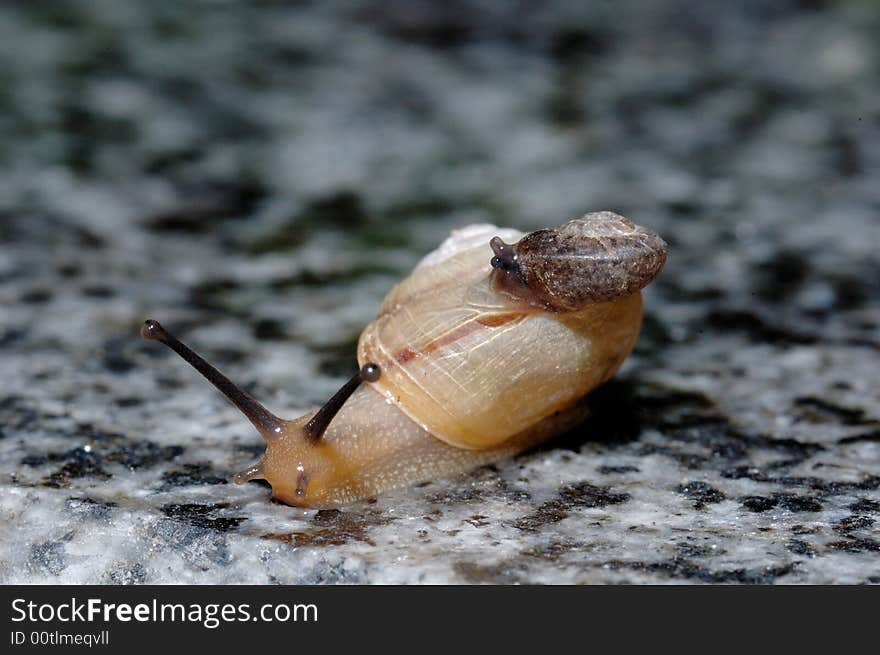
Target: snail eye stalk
316, 427
268, 425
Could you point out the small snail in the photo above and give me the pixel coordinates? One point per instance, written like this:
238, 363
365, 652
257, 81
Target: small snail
486, 349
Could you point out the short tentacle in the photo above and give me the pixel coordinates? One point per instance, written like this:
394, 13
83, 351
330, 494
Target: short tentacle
316, 427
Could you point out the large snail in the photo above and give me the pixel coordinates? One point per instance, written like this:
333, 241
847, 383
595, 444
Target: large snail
486, 349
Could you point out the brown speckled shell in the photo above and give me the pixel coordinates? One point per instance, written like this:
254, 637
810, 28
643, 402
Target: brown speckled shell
596, 258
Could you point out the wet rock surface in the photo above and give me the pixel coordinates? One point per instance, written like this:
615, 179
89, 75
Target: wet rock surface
259, 178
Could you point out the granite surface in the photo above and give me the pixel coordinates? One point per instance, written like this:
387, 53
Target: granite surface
259, 178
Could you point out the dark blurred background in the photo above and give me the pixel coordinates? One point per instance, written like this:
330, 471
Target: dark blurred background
152, 150
258, 175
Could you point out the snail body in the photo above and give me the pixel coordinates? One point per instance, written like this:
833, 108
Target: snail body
485, 350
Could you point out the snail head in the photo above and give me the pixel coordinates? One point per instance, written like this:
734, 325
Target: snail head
505, 256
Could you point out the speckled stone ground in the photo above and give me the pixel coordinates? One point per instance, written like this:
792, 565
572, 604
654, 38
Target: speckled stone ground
260, 178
